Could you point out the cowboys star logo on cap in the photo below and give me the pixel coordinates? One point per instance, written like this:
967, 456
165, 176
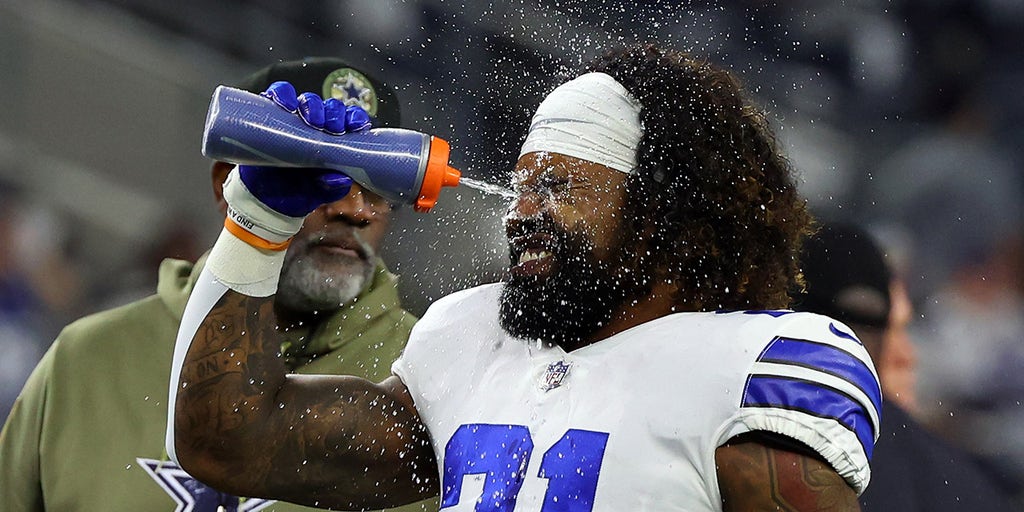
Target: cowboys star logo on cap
352, 88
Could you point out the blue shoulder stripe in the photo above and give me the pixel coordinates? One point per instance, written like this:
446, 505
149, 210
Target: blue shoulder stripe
843, 334
811, 398
828, 359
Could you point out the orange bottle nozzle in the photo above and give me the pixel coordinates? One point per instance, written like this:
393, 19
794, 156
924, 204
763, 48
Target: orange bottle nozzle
438, 175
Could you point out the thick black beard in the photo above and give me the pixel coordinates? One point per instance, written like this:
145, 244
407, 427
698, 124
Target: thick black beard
574, 302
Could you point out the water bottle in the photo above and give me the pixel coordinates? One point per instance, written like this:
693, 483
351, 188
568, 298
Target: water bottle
403, 166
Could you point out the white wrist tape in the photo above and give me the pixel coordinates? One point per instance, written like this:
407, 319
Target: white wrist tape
249, 213
243, 268
249, 253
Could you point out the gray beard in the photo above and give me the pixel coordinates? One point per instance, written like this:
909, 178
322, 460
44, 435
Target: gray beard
306, 288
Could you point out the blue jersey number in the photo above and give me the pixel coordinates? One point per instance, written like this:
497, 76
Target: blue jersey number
502, 453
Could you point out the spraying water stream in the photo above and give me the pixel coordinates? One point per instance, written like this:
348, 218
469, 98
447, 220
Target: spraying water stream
489, 188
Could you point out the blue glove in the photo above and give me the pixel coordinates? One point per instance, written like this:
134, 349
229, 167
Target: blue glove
296, 192
331, 116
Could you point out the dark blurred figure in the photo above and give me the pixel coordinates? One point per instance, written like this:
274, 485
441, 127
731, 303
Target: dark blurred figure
912, 470
20, 340
971, 381
177, 239
39, 287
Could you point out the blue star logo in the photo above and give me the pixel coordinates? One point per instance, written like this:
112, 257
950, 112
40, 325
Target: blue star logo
191, 495
352, 88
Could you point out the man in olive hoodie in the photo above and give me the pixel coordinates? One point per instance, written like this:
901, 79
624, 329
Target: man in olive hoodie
87, 431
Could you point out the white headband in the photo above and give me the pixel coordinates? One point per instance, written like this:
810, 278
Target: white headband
592, 117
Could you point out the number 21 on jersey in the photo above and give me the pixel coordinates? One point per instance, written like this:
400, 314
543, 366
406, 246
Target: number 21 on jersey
502, 453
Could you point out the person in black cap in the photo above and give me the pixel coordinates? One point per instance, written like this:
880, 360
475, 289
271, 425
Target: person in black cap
847, 278
87, 431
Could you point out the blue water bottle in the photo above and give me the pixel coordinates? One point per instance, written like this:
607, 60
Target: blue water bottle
404, 166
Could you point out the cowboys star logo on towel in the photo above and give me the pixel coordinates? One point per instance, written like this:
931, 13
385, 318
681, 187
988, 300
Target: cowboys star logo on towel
191, 495
352, 88
555, 374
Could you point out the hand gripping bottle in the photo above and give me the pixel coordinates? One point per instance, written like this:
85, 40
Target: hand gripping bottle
403, 166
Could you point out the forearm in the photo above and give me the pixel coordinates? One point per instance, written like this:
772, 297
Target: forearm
225, 376
237, 420
230, 375
243, 426
226, 368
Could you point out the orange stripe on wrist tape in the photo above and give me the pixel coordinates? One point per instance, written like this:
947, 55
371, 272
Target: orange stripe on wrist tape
253, 240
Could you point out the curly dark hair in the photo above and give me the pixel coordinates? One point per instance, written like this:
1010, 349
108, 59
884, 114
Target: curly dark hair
714, 196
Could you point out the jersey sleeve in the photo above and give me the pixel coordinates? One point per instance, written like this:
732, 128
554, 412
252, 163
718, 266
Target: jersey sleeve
814, 382
20, 480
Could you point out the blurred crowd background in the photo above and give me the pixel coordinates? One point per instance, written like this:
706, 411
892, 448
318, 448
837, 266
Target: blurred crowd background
906, 116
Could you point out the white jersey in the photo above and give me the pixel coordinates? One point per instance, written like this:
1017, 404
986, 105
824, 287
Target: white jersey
631, 422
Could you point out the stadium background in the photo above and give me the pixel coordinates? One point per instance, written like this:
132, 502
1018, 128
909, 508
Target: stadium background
904, 115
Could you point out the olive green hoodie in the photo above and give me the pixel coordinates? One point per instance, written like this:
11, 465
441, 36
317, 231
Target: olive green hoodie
87, 431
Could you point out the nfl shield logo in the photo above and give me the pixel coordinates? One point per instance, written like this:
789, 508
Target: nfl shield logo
555, 374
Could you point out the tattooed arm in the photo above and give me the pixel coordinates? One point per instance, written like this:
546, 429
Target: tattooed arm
236, 420
754, 475
243, 426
